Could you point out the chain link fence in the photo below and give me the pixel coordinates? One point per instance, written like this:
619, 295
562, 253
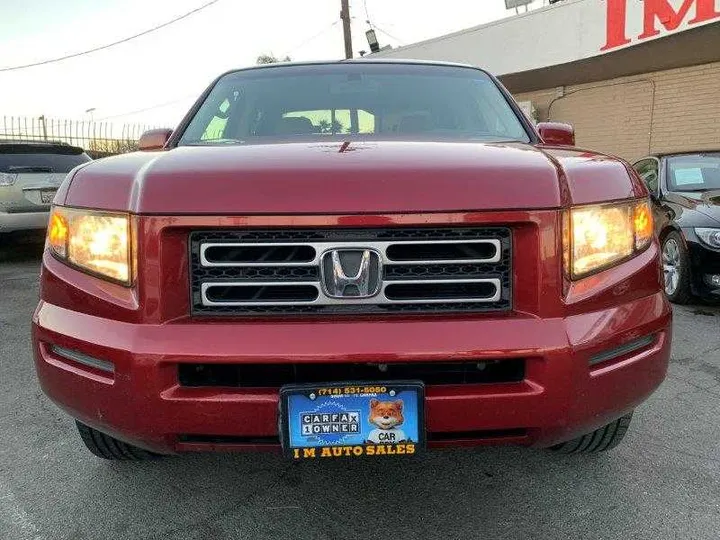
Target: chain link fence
99, 139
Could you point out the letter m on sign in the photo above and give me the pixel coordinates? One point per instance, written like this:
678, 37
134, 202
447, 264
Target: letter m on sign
663, 12
656, 12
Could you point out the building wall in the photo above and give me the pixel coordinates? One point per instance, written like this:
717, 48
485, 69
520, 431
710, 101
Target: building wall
564, 32
671, 110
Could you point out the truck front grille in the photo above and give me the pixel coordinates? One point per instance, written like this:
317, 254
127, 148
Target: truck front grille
257, 272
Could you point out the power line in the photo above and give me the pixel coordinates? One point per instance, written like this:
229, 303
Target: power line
367, 14
107, 46
150, 108
400, 41
375, 26
311, 38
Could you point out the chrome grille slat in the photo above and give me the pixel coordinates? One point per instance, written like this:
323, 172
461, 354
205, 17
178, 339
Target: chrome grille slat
322, 247
324, 300
209, 302
434, 269
493, 281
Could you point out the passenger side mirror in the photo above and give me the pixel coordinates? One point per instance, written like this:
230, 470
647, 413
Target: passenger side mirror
154, 139
556, 133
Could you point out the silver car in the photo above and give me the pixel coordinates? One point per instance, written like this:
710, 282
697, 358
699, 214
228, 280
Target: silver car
30, 173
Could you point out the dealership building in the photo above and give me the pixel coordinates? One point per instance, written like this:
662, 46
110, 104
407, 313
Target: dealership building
633, 77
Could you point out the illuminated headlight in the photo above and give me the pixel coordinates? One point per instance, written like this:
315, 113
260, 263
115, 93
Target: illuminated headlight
600, 236
711, 237
7, 179
97, 242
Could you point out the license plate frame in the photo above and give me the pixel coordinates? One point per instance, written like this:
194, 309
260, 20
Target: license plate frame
300, 439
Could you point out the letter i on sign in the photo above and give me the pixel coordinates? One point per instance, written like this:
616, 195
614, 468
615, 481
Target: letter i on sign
615, 24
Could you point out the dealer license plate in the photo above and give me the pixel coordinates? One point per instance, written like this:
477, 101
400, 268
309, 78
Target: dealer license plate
352, 420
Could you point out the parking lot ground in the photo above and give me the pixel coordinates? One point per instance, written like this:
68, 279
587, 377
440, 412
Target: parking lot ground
663, 482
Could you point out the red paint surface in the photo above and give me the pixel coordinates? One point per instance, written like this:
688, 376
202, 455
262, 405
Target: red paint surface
146, 332
555, 324
556, 133
316, 178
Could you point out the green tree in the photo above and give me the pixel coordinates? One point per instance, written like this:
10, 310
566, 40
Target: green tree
270, 59
326, 127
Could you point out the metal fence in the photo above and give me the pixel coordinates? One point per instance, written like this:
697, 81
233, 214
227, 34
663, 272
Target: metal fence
97, 138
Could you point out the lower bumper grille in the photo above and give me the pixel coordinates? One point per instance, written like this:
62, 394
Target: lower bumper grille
258, 272
277, 375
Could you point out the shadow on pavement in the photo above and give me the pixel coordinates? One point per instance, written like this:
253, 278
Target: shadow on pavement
451, 494
20, 247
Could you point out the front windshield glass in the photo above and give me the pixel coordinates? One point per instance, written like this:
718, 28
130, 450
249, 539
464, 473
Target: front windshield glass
694, 172
357, 100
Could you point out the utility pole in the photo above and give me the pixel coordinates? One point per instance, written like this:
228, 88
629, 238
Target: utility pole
345, 16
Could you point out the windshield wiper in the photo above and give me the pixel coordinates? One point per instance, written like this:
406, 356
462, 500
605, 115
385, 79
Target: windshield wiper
29, 168
210, 142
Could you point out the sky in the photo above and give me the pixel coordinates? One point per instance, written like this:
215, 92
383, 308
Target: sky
155, 78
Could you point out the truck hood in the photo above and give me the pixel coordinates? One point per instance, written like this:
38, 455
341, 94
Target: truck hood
347, 178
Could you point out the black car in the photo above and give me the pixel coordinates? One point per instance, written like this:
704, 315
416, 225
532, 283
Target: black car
685, 190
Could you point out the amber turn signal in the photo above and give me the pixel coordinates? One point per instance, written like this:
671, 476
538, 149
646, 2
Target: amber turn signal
57, 235
97, 242
643, 221
597, 237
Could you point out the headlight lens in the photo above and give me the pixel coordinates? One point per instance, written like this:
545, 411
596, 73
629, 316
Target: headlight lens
7, 179
600, 236
98, 242
711, 237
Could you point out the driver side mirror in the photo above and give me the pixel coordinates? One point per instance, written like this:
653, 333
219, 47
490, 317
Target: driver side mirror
556, 133
154, 139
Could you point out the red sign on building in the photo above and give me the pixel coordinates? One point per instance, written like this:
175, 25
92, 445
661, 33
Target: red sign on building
657, 14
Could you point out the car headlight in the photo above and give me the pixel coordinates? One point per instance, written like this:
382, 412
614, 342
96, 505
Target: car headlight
599, 236
7, 179
709, 236
97, 242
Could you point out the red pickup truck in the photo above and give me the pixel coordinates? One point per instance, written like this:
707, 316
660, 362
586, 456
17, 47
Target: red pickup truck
362, 258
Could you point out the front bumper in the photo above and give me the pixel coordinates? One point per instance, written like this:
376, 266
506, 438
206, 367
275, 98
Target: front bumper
23, 221
562, 395
704, 262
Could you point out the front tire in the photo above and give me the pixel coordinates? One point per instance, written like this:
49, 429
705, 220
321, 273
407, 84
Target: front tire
601, 440
106, 447
676, 269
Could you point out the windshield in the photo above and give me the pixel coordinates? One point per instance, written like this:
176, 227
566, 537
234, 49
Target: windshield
31, 158
694, 172
354, 100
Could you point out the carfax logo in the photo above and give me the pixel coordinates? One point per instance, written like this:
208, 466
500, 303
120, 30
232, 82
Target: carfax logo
314, 424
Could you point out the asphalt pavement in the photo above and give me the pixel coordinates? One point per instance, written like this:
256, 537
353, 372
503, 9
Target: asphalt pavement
663, 482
